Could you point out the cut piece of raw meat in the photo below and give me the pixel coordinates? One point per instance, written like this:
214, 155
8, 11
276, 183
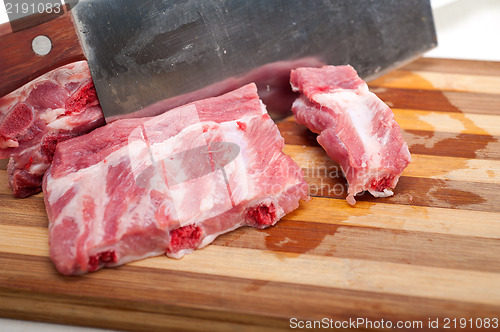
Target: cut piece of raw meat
355, 127
54, 107
168, 184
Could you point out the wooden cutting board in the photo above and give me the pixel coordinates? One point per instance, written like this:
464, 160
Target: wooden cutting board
432, 251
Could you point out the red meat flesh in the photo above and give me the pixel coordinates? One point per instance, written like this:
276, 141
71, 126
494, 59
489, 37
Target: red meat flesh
168, 184
52, 108
355, 127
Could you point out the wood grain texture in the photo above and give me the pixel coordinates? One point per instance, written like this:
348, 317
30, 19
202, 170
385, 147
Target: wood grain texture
20, 64
430, 251
428, 80
456, 66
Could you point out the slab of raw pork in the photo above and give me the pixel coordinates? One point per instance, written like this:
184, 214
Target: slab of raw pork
168, 184
355, 127
54, 107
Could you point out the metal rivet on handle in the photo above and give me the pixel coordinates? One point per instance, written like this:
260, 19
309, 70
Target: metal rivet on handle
41, 45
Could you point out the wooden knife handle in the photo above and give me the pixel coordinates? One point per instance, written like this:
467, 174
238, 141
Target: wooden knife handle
19, 64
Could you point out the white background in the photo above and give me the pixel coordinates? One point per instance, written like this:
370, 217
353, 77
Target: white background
466, 29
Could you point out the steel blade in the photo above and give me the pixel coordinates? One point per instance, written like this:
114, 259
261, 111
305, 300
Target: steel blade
144, 51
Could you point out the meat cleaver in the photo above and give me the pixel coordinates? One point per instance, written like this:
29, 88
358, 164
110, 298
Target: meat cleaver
141, 52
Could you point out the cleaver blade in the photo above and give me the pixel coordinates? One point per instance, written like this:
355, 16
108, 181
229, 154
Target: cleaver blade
141, 52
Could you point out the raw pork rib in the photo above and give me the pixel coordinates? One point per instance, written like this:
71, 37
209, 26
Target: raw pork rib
355, 127
54, 107
170, 184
